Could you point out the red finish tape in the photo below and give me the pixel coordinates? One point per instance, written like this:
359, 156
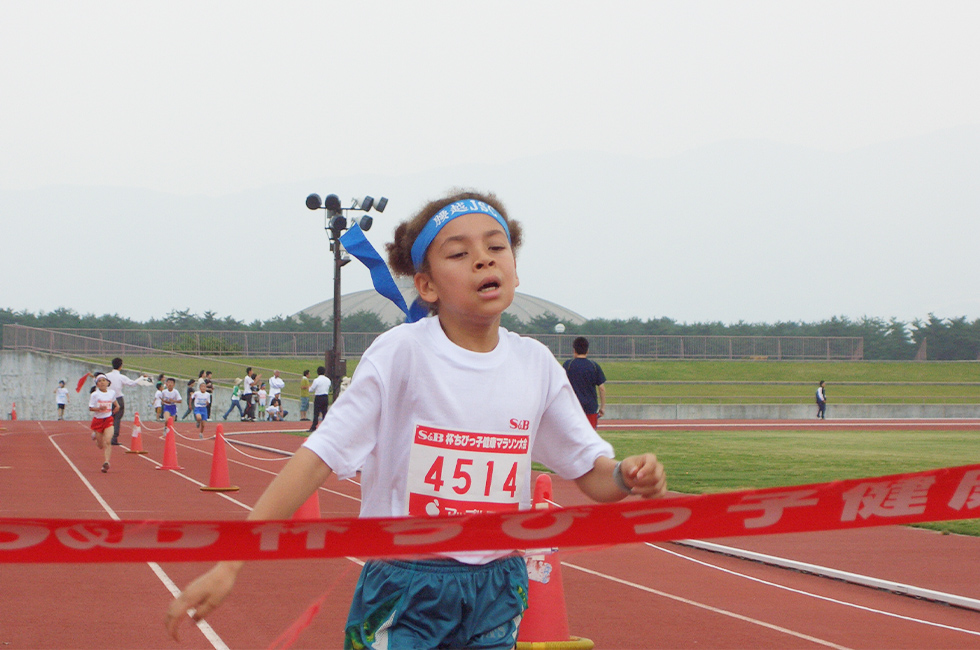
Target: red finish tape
936, 495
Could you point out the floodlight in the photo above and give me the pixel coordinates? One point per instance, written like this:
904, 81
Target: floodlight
365, 221
338, 222
367, 203
332, 203
381, 204
313, 202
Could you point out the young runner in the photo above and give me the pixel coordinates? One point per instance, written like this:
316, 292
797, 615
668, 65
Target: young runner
420, 392
102, 403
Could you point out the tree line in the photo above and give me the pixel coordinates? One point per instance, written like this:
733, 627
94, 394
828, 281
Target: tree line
949, 339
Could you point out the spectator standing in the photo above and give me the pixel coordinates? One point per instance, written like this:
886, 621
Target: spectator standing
263, 396
321, 396
821, 401
191, 389
116, 382
304, 396
209, 387
158, 401
587, 378
276, 384
61, 398
248, 394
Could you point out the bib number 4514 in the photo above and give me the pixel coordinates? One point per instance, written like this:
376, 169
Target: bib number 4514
462, 478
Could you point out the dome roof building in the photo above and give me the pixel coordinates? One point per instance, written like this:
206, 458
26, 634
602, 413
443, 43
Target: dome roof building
525, 308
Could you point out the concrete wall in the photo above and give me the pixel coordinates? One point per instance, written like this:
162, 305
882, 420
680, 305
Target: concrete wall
787, 411
30, 378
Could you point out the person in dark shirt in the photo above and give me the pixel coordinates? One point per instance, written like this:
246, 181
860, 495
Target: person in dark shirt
587, 379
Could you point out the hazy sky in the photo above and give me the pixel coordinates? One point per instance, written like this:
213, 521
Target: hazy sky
214, 98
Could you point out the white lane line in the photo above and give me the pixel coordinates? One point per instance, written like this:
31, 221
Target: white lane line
836, 574
813, 595
216, 642
716, 610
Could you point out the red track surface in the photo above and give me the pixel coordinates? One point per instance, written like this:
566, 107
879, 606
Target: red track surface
639, 596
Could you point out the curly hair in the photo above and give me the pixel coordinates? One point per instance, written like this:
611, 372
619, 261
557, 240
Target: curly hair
400, 250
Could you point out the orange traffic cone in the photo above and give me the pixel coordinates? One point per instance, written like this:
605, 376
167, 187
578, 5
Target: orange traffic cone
310, 509
170, 450
545, 623
136, 446
219, 465
13, 411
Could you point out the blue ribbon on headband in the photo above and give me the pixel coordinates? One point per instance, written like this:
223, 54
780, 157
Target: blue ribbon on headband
357, 245
444, 216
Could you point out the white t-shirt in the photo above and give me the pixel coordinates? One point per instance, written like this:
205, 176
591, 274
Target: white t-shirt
247, 385
320, 386
262, 396
158, 399
276, 384
61, 395
103, 402
117, 380
171, 396
441, 430
201, 399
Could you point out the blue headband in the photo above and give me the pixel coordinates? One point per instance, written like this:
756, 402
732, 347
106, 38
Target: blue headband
444, 216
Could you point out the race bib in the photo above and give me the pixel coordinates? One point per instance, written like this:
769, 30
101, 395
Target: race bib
460, 472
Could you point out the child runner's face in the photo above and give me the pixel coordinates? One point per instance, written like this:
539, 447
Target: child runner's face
170, 384
102, 383
472, 271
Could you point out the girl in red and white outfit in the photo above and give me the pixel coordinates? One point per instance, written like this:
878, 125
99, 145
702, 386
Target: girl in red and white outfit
102, 403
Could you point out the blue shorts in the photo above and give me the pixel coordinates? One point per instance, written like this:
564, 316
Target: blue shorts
201, 411
171, 409
427, 604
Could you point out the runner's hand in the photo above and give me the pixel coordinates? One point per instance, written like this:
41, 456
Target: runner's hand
203, 595
645, 475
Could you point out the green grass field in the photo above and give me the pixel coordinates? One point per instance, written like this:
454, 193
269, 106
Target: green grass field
791, 382
681, 382
699, 462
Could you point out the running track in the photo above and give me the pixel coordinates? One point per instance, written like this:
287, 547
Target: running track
637, 596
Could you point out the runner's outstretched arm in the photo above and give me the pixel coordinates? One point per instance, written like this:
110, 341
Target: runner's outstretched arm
303, 474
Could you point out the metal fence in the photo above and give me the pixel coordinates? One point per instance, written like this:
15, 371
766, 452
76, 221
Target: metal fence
212, 344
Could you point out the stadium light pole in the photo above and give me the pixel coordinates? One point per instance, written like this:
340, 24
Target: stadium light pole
335, 223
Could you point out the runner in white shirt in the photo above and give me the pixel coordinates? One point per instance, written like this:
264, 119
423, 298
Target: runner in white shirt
170, 397
200, 399
445, 416
102, 404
